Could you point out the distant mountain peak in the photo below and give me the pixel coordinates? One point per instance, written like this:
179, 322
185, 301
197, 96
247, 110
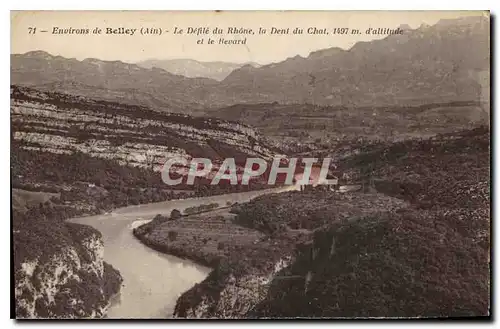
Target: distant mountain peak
247, 67
191, 68
326, 52
38, 53
92, 60
406, 27
463, 21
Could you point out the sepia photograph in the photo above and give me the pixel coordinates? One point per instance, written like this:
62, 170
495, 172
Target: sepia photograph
250, 164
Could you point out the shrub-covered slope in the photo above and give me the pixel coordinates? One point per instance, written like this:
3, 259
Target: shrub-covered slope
428, 260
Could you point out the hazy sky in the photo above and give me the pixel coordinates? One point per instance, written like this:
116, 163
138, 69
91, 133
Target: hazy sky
259, 48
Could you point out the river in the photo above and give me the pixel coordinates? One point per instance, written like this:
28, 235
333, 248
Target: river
152, 281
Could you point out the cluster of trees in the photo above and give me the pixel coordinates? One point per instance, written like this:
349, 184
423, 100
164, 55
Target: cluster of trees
201, 208
276, 214
404, 264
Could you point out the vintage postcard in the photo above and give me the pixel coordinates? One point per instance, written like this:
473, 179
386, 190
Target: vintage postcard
243, 165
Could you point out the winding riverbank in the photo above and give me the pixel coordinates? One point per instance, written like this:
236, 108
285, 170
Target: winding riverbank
152, 281
253, 245
244, 261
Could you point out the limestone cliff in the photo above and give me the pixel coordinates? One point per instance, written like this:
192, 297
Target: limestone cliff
59, 270
228, 295
65, 124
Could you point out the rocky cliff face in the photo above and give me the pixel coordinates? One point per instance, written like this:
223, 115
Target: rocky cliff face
59, 270
116, 150
235, 296
63, 124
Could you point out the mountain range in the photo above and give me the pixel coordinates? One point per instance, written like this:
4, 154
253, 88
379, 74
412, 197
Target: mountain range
424, 65
195, 69
428, 64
